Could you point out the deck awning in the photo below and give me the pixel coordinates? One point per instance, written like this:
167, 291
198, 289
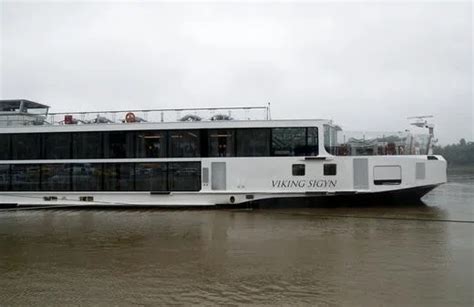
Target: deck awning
16, 104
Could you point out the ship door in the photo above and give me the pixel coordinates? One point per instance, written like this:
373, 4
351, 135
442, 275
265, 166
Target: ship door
218, 173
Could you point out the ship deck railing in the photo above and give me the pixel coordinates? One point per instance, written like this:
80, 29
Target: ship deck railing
160, 115
377, 143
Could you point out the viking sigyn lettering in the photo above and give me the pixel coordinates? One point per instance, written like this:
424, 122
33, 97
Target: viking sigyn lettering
311, 183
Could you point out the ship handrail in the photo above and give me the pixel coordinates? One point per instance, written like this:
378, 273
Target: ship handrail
164, 114
162, 110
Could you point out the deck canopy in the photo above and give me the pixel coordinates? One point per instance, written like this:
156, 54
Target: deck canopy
21, 105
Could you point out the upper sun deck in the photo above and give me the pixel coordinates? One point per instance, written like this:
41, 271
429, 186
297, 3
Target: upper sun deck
18, 116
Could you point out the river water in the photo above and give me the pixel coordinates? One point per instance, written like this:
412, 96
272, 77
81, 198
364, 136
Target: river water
405, 255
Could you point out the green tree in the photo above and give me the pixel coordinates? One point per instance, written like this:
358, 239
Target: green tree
457, 154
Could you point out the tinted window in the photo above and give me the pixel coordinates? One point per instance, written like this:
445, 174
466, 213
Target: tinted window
55, 177
4, 177
56, 146
289, 141
330, 139
221, 143
119, 144
4, 147
26, 146
298, 169
118, 177
253, 142
87, 145
25, 177
151, 177
312, 142
184, 143
184, 176
330, 169
151, 144
87, 177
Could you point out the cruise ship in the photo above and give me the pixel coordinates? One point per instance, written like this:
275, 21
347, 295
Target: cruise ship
201, 157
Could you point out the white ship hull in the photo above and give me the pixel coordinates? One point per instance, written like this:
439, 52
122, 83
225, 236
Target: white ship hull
240, 181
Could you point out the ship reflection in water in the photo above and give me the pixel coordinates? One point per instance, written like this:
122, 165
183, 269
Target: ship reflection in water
404, 255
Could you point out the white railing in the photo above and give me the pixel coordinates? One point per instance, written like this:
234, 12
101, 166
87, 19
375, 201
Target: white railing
160, 115
21, 120
355, 143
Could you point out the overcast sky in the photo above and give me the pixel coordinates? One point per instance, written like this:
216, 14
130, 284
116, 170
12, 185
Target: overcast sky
367, 65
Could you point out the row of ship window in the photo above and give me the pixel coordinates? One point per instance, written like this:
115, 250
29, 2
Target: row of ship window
159, 177
248, 142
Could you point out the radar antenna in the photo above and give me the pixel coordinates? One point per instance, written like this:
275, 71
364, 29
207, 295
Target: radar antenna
420, 121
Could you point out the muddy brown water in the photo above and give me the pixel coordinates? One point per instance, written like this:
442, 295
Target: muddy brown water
404, 255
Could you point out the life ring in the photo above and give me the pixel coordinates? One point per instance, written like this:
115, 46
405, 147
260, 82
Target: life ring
130, 117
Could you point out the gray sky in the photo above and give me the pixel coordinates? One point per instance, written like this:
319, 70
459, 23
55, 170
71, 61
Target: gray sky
367, 65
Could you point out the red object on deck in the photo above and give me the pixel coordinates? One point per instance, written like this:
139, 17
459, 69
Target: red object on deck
68, 120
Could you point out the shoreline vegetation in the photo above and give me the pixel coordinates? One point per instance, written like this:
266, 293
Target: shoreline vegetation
467, 168
460, 156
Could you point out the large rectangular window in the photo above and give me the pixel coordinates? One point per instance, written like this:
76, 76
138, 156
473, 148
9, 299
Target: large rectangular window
26, 146
87, 145
25, 177
151, 177
119, 144
56, 146
289, 141
184, 176
221, 143
118, 177
4, 177
4, 146
151, 144
87, 177
184, 143
55, 177
253, 142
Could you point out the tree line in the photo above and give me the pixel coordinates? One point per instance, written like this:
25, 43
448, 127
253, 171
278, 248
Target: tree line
457, 154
